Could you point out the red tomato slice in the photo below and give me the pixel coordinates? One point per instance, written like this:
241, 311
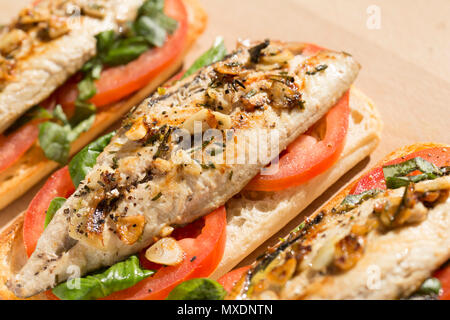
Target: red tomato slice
118, 82
229, 280
306, 158
203, 254
444, 276
58, 185
13, 146
375, 178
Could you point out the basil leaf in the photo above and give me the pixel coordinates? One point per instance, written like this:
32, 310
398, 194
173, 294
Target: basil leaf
105, 41
54, 206
126, 50
85, 160
393, 172
169, 24
153, 33
198, 289
430, 286
83, 110
59, 114
86, 88
149, 7
398, 182
54, 141
216, 53
120, 276
352, 200
83, 126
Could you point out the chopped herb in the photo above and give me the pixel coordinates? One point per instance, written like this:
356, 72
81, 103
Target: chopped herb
208, 166
300, 227
255, 52
396, 175
352, 200
317, 69
157, 196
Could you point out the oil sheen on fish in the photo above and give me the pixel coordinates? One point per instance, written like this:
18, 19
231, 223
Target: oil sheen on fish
384, 248
47, 44
144, 181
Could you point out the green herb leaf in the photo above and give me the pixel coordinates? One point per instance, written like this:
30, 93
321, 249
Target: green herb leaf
54, 206
149, 7
120, 276
83, 126
125, 51
54, 141
429, 287
86, 88
216, 53
352, 200
169, 24
83, 111
198, 289
153, 33
393, 172
59, 114
85, 160
105, 41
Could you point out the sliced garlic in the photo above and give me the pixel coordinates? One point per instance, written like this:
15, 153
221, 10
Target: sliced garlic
166, 231
165, 251
130, 229
137, 131
208, 120
11, 41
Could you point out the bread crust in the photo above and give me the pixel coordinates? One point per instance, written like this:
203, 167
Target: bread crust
34, 166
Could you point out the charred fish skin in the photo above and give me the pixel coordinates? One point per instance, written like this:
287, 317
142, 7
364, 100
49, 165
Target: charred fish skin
358, 253
47, 44
143, 181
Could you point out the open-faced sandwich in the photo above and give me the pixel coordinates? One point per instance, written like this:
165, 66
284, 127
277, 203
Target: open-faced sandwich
183, 190
70, 69
386, 236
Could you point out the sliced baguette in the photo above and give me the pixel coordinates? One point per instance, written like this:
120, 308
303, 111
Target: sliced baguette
250, 222
33, 166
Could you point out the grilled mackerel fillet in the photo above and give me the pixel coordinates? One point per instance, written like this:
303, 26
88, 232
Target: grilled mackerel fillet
362, 253
47, 44
144, 182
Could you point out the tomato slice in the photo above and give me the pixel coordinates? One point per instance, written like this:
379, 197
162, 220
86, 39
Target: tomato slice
13, 146
375, 178
58, 185
203, 254
444, 276
118, 82
306, 157
229, 280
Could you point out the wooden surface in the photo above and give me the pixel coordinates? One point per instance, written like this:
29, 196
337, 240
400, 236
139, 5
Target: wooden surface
406, 61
